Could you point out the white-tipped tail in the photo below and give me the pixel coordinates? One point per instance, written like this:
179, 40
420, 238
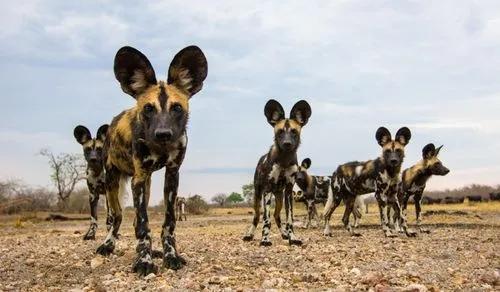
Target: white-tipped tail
122, 189
359, 206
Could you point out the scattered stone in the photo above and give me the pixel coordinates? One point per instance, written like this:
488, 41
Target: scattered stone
372, 278
491, 277
150, 277
96, 262
355, 271
415, 288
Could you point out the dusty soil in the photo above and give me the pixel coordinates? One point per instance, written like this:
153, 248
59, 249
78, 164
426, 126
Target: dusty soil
461, 253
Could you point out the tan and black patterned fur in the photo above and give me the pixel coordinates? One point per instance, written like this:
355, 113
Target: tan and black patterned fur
315, 190
275, 172
95, 173
148, 137
381, 175
415, 178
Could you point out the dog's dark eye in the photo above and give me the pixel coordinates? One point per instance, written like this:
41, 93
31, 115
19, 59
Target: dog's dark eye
149, 108
177, 108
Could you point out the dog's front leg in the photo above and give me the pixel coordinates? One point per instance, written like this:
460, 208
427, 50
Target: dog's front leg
382, 207
171, 258
266, 218
400, 219
143, 264
292, 239
93, 200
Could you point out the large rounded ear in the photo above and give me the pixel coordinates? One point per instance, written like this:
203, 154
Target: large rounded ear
438, 149
134, 71
274, 112
102, 132
383, 136
306, 163
403, 135
301, 112
188, 70
82, 134
428, 151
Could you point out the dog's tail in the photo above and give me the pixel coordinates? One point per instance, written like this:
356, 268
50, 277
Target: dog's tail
359, 206
122, 189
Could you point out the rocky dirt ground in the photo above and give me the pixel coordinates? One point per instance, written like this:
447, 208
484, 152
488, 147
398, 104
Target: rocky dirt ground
461, 253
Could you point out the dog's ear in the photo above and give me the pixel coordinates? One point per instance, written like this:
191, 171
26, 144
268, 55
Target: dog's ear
301, 112
82, 134
102, 132
188, 70
274, 112
428, 151
403, 136
438, 149
383, 136
306, 163
134, 71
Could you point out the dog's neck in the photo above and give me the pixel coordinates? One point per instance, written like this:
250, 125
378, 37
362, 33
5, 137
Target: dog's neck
281, 157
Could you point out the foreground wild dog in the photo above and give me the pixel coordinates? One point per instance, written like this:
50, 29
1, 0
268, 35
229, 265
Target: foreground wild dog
415, 178
315, 189
275, 172
180, 206
95, 174
146, 138
380, 175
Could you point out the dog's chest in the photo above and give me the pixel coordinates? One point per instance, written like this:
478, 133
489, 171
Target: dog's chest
96, 182
278, 173
385, 182
415, 188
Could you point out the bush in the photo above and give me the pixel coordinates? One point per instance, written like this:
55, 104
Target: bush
196, 205
17, 197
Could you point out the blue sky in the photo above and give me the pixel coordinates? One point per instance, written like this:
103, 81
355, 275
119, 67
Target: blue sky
430, 65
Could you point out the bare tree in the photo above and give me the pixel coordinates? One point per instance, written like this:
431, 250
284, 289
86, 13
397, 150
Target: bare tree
67, 170
220, 199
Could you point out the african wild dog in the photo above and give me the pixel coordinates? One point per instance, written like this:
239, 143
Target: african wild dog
95, 174
380, 175
315, 189
180, 206
415, 178
275, 172
147, 137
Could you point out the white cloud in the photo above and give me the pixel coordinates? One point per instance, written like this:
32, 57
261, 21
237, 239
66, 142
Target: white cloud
361, 65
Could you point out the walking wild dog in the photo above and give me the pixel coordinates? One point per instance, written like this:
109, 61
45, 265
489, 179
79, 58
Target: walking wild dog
315, 189
150, 136
180, 206
275, 172
95, 174
380, 175
414, 179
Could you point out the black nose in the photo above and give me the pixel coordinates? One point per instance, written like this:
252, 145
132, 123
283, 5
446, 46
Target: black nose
287, 145
163, 134
393, 161
446, 171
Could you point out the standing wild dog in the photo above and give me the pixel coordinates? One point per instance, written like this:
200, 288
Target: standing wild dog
414, 179
275, 172
95, 174
150, 136
180, 206
315, 189
380, 175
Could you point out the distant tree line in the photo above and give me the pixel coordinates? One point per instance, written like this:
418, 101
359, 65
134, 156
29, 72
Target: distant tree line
470, 190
